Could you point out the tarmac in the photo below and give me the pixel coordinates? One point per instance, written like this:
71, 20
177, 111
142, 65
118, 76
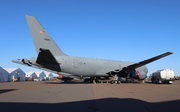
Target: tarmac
52, 96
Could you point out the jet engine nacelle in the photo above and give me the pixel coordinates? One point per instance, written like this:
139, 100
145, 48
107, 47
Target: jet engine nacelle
139, 75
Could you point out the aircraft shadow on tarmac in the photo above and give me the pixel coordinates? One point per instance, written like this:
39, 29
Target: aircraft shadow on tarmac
97, 105
6, 90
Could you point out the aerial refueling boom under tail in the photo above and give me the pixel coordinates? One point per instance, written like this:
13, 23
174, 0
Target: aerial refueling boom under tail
51, 58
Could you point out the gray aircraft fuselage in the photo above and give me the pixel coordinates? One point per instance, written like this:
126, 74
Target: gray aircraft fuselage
88, 67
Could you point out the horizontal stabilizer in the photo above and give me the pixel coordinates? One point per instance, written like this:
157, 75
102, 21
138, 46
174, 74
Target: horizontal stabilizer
34, 66
30, 65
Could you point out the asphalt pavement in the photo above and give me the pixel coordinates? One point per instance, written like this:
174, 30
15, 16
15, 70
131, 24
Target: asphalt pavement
52, 96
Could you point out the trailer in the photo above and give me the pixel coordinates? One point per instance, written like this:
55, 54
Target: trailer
163, 76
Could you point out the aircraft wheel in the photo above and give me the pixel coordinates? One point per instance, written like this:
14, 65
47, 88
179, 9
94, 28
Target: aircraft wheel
153, 81
91, 81
142, 81
112, 82
115, 81
97, 81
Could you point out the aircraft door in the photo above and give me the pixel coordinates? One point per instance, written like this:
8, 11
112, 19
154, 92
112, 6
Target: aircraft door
75, 63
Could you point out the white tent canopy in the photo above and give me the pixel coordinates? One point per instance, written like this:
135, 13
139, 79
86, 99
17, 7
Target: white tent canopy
31, 73
49, 75
41, 75
3, 75
15, 73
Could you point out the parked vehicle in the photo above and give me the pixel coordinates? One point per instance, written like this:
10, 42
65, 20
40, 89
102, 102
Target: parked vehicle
163, 76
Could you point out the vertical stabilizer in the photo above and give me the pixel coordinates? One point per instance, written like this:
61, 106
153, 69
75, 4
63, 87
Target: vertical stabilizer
41, 38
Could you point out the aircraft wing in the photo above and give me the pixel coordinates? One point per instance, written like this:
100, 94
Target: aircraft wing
139, 64
142, 63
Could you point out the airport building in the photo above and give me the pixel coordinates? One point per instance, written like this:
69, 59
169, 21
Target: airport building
49, 75
15, 74
4, 75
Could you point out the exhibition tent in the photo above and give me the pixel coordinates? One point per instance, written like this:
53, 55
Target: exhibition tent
31, 74
49, 75
15, 73
41, 75
3, 75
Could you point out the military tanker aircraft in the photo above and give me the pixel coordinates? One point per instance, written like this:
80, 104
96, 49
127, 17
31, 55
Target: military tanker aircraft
51, 58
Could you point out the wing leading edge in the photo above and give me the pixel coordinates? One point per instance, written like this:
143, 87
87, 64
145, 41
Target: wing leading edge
141, 63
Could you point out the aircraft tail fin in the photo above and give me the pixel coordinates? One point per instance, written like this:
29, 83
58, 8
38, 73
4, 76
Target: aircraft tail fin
41, 38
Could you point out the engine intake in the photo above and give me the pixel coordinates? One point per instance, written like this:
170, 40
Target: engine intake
137, 75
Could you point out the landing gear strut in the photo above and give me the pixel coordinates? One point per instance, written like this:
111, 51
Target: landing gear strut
115, 80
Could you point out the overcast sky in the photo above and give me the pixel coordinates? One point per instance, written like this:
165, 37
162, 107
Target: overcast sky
129, 30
